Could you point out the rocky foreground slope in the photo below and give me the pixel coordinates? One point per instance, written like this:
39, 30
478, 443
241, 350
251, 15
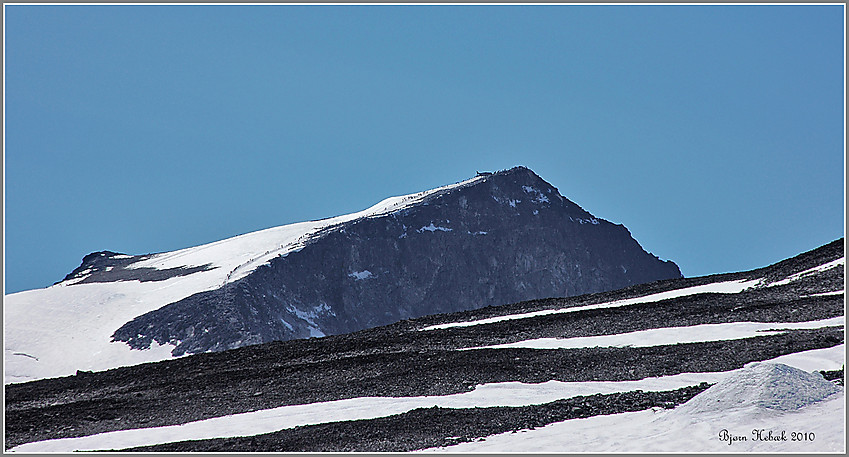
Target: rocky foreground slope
496, 238
628, 356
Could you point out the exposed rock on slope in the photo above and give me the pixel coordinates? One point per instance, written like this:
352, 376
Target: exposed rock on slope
499, 238
377, 389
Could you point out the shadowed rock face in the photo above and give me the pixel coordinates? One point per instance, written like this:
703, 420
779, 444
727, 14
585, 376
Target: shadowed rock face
505, 238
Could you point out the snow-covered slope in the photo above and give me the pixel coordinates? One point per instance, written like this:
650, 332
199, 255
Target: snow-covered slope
761, 393
764, 407
623, 371
68, 327
493, 239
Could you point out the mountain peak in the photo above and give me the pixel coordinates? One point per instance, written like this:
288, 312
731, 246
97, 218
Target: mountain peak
492, 239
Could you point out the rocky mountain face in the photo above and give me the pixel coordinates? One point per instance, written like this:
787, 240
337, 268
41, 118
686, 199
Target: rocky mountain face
501, 238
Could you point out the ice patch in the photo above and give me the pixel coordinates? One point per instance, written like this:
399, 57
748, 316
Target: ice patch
540, 197
509, 201
309, 316
360, 275
591, 220
433, 228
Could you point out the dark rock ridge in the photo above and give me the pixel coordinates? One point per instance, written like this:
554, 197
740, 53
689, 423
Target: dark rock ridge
507, 237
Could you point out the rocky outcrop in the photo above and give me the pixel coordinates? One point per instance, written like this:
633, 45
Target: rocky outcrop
509, 236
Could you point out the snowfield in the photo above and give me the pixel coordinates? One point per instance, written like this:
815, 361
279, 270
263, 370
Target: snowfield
45, 336
686, 428
669, 431
763, 407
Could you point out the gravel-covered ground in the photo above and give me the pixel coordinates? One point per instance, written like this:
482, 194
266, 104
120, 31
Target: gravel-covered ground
401, 360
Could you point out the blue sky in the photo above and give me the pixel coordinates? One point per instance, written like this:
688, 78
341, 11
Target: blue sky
714, 133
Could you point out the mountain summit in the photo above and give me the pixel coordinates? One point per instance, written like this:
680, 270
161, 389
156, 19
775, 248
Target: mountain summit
497, 238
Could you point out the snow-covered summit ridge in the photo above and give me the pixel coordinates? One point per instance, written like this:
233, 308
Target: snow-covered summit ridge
240, 255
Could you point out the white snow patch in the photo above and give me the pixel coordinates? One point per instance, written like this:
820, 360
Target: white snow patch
486, 395
591, 220
540, 197
477, 233
433, 228
825, 294
728, 287
671, 335
509, 201
70, 328
314, 313
810, 271
360, 275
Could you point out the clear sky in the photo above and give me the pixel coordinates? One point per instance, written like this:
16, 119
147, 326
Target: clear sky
714, 133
